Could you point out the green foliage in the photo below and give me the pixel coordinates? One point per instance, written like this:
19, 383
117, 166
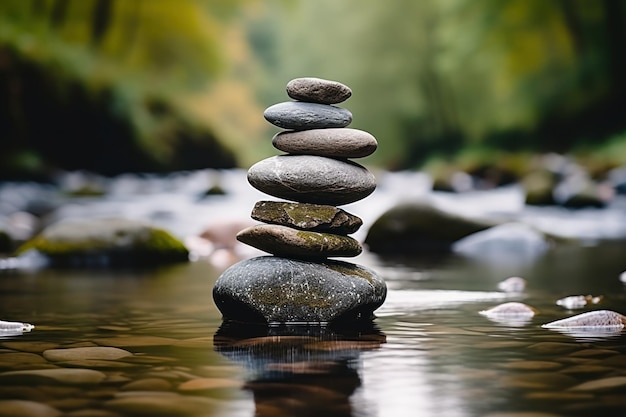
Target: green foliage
180, 79
131, 62
438, 76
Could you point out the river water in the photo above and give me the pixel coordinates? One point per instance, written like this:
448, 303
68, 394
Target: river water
428, 352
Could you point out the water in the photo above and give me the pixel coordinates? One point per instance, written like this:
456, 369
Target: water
428, 352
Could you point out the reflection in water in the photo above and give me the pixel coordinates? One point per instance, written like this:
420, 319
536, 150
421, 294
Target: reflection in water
299, 370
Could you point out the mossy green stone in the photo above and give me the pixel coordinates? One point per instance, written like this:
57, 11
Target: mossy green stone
289, 242
306, 216
108, 240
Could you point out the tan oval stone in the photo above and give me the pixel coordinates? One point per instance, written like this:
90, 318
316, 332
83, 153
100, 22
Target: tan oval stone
203, 384
604, 384
532, 365
148, 384
60, 375
318, 90
82, 353
162, 404
332, 142
18, 358
136, 341
32, 347
22, 408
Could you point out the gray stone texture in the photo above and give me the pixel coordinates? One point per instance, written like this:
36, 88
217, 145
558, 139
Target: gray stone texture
298, 115
318, 90
332, 142
313, 217
312, 179
293, 243
279, 290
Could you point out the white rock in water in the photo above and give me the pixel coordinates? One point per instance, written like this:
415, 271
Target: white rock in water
14, 327
590, 320
510, 309
511, 314
578, 301
512, 284
503, 243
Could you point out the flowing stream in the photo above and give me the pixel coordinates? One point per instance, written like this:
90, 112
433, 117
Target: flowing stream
428, 352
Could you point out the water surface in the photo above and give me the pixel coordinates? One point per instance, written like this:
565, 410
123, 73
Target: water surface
428, 352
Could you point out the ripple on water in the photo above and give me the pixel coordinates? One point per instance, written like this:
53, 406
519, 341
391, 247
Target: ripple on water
402, 301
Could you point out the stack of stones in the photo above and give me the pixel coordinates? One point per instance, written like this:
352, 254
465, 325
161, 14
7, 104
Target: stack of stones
299, 283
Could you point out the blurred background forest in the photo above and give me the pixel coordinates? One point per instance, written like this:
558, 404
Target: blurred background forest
116, 86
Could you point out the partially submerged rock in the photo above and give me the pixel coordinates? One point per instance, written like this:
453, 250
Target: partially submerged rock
512, 284
512, 313
509, 241
598, 319
413, 226
280, 290
578, 301
106, 242
510, 309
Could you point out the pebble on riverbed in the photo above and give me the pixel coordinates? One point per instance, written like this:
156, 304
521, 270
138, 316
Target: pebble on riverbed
573, 302
511, 313
598, 319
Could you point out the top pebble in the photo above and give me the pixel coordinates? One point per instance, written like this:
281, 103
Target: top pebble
318, 90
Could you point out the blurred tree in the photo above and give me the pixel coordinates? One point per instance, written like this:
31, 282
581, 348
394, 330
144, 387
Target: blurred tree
97, 84
434, 76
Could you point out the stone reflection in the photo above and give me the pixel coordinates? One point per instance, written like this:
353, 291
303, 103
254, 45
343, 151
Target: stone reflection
299, 370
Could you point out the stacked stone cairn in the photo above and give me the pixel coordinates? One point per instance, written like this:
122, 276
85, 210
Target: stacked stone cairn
299, 283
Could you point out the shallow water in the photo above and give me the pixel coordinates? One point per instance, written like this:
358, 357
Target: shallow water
428, 352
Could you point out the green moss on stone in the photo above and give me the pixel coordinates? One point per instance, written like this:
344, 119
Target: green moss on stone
301, 213
354, 271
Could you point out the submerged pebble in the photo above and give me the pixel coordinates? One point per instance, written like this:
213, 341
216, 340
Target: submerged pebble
85, 353
510, 309
512, 284
592, 319
14, 326
578, 301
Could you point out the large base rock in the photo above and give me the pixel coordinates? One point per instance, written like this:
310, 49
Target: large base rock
280, 290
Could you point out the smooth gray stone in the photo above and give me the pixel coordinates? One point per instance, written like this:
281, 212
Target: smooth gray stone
313, 217
298, 115
332, 142
293, 243
312, 179
318, 90
279, 290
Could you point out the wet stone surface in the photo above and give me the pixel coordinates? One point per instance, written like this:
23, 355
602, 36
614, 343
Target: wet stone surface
334, 143
312, 179
318, 90
300, 244
275, 289
312, 217
300, 115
